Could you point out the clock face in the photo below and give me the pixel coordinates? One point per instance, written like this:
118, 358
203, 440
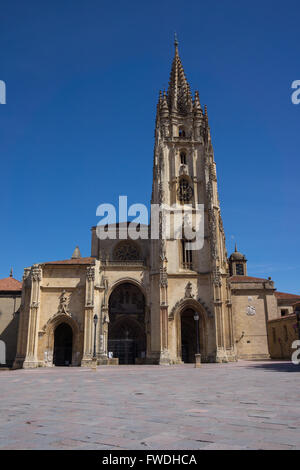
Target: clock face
185, 191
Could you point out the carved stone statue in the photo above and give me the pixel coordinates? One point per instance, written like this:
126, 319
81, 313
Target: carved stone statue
188, 290
63, 304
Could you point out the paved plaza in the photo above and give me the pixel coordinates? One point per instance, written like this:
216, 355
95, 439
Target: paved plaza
244, 405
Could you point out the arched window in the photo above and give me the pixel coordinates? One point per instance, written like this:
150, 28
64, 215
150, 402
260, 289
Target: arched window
183, 158
181, 132
240, 269
187, 256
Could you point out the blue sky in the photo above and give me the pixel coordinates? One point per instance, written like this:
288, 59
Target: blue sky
77, 130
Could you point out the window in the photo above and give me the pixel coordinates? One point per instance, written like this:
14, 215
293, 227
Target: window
183, 158
181, 132
126, 251
239, 269
284, 312
187, 256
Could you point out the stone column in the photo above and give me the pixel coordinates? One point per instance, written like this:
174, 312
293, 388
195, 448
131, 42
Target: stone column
22, 331
104, 322
31, 359
88, 318
164, 318
221, 355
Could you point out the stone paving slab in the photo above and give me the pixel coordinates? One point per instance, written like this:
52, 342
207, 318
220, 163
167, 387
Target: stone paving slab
243, 405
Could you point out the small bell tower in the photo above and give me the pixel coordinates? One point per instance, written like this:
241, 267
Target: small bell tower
237, 263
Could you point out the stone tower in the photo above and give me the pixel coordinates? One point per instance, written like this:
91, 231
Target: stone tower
186, 281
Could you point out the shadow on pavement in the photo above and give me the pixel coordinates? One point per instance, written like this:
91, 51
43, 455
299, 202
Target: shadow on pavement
277, 366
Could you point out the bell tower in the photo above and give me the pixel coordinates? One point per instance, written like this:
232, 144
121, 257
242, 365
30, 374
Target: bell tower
184, 172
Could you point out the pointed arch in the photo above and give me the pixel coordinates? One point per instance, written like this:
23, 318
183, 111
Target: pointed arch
49, 331
129, 280
176, 313
127, 327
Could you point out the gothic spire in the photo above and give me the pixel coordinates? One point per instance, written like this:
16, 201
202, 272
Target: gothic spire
179, 94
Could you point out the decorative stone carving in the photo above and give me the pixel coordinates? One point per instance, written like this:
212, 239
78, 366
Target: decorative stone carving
63, 307
183, 170
212, 171
162, 250
188, 291
166, 130
209, 190
26, 274
217, 277
213, 235
105, 319
163, 277
250, 310
160, 193
36, 273
90, 273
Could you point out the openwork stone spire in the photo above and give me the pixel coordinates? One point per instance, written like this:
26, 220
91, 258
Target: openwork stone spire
179, 93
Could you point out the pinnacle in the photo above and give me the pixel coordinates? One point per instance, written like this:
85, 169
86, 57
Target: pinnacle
197, 105
76, 254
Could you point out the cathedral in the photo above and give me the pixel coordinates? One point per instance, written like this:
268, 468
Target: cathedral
152, 301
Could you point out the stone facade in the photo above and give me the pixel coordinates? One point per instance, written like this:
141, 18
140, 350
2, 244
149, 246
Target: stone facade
254, 304
138, 301
10, 300
283, 331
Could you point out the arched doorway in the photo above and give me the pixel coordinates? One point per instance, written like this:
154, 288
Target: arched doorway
188, 336
126, 331
63, 343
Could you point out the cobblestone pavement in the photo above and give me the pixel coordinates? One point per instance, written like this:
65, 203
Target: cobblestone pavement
244, 405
